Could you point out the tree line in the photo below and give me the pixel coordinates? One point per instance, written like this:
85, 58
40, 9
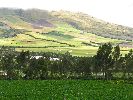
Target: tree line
107, 64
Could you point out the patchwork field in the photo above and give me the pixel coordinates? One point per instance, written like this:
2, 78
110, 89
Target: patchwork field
80, 45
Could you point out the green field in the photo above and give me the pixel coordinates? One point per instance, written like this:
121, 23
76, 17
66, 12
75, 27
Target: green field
65, 90
58, 42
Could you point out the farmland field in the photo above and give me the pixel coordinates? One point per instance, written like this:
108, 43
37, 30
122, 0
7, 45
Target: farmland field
84, 45
65, 90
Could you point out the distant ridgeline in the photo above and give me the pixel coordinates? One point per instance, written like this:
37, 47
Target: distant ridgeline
106, 64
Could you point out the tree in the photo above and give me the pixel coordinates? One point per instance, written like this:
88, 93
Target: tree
7, 62
116, 59
66, 64
33, 70
128, 63
22, 61
8, 65
104, 59
83, 67
116, 53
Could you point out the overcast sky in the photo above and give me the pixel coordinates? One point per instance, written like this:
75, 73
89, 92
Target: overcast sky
116, 11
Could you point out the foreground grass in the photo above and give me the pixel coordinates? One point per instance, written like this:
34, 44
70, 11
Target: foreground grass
65, 90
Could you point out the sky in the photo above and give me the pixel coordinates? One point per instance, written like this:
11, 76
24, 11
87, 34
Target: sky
115, 11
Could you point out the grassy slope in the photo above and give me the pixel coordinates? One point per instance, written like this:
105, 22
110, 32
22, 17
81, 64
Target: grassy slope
51, 38
93, 25
65, 89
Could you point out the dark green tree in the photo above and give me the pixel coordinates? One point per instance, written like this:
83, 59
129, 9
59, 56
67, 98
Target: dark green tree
128, 68
22, 61
104, 60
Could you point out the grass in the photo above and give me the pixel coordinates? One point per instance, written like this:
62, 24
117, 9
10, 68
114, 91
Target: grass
59, 35
83, 51
15, 22
65, 90
64, 27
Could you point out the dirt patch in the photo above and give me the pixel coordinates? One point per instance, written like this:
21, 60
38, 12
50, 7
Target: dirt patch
39, 24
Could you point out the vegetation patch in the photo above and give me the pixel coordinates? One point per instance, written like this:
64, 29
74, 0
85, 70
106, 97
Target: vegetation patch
68, 89
59, 34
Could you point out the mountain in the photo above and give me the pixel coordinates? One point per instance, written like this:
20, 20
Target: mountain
59, 29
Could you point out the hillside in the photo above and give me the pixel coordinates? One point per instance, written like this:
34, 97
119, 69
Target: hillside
59, 31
